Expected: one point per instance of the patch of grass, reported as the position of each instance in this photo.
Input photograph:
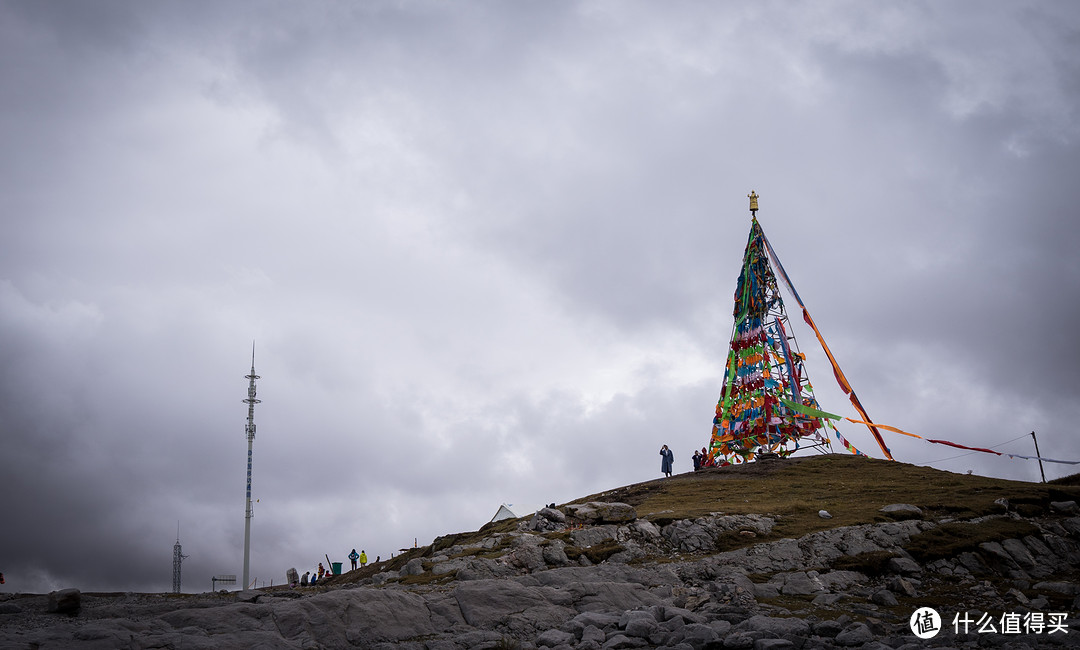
(872, 564)
(464, 539)
(472, 552)
(736, 539)
(951, 539)
(446, 541)
(803, 607)
(563, 535)
(600, 552)
(501, 526)
(596, 553)
(1071, 479)
(1030, 510)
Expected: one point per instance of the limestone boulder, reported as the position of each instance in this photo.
(65, 601)
(855, 634)
(552, 514)
(527, 557)
(546, 520)
(777, 627)
(645, 529)
(592, 535)
(413, 567)
(1065, 507)
(482, 568)
(554, 554)
(902, 511)
(601, 512)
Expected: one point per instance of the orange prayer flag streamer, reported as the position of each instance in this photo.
(873, 428)
(840, 378)
(845, 386)
(884, 426)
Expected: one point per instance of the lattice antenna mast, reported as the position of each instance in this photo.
(177, 557)
(250, 430)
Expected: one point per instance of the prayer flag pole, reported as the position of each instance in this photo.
(1039, 456)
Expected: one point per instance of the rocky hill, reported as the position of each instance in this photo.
(819, 552)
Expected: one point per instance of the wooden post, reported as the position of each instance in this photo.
(1039, 456)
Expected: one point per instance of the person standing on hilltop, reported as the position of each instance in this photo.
(363, 557)
(667, 459)
(353, 557)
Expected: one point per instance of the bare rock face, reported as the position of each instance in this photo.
(670, 587)
(701, 534)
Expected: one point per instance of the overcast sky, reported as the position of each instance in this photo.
(487, 253)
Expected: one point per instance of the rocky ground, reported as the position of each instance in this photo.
(597, 576)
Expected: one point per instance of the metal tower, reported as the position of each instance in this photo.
(250, 430)
(177, 557)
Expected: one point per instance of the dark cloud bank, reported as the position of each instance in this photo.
(488, 253)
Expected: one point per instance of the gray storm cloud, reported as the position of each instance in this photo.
(488, 254)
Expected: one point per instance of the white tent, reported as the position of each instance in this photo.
(503, 513)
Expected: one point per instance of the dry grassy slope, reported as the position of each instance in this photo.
(852, 489)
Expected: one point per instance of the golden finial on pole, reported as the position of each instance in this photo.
(753, 202)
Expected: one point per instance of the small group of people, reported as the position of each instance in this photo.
(310, 579)
(701, 460)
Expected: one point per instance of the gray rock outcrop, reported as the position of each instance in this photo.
(669, 586)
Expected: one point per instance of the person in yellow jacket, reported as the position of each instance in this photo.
(363, 557)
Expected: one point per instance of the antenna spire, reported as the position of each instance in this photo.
(250, 431)
(177, 557)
